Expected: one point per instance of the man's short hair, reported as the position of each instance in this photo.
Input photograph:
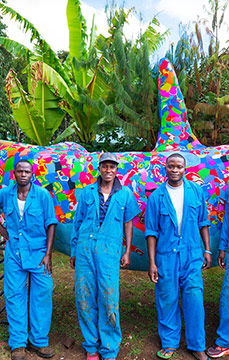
(175, 155)
(23, 161)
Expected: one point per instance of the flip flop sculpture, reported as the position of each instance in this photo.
(64, 169)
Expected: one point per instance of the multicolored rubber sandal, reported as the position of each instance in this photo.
(216, 351)
(93, 356)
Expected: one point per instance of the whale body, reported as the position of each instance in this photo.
(66, 168)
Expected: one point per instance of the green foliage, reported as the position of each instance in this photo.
(112, 138)
(71, 85)
(132, 102)
(100, 80)
(38, 115)
(8, 127)
(204, 77)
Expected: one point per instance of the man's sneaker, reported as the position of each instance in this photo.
(93, 356)
(216, 351)
(45, 352)
(18, 354)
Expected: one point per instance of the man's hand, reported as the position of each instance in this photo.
(73, 262)
(4, 232)
(125, 260)
(153, 274)
(207, 261)
(47, 261)
(221, 258)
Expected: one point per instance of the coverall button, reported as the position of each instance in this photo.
(20, 234)
(91, 235)
(174, 250)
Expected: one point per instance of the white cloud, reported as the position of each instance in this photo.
(100, 18)
(49, 17)
(186, 12)
(182, 9)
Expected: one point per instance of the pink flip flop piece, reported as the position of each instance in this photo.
(93, 356)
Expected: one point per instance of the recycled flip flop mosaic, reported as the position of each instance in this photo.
(64, 169)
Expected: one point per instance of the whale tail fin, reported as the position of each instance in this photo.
(175, 133)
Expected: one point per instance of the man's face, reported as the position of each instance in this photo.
(108, 170)
(23, 173)
(175, 169)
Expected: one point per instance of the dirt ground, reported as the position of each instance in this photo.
(138, 320)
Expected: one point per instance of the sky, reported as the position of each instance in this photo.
(49, 17)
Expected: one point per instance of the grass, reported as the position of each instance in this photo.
(137, 310)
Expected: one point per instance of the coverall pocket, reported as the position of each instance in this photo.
(165, 221)
(120, 207)
(9, 214)
(34, 216)
(90, 208)
(193, 211)
(9, 211)
(111, 251)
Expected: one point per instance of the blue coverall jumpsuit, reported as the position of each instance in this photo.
(24, 251)
(223, 329)
(97, 249)
(179, 260)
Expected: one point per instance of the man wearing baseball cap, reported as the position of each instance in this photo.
(104, 210)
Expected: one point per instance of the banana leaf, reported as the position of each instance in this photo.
(39, 115)
(15, 48)
(71, 129)
(42, 50)
(77, 36)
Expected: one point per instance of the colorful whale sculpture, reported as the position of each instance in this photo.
(64, 169)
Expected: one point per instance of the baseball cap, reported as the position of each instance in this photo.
(107, 156)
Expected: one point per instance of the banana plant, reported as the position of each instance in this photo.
(38, 115)
(54, 88)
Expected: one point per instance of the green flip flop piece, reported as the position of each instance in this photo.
(166, 351)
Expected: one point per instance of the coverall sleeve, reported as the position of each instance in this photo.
(152, 217)
(78, 219)
(132, 208)
(49, 211)
(203, 213)
(224, 239)
(1, 200)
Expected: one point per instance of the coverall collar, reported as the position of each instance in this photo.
(116, 185)
(95, 191)
(29, 198)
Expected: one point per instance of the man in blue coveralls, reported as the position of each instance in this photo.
(30, 229)
(221, 347)
(104, 210)
(176, 217)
